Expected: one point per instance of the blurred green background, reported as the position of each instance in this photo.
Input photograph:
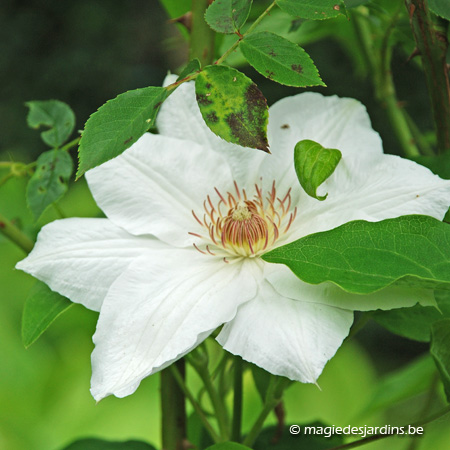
(85, 52)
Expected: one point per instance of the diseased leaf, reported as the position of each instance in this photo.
(100, 444)
(53, 114)
(117, 125)
(363, 257)
(49, 182)
(313, 165)
(232, 106)
(42, 307)
(280, 60)
(440, 350)
(313, 9)
(192, 66)
(440, 8)
(227, 16)
(415, 322)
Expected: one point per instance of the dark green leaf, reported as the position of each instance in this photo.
(262, 380)
(363, 257)
(100, 444)
(402, 384)
(227, 16)
(49, 182)
(117, 125)
(196, 431)
(192, 66)
(316, 439)
(55, 115)
(415, 322)
(280, 60)
(228, 446)
(314, 164)
(232, 106)
(313, 9)
(440, 350)
(440, 8)
(42, 307)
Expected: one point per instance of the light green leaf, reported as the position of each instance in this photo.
(192, 66)
(176, 8)
(42, 307)
(440, 350)
(117, 125)
(55, 115)
(363, 257)
(440, 8)
(228, 446)
(280, 60)
(313, 165)
(49, 182)
(415, 322)
(100, 444)
(232, 106)
(313, 9)
(227, 16)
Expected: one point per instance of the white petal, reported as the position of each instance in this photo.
(286, 337)
(81, 258)
(288, 285)
(153, 187)
(160, 309)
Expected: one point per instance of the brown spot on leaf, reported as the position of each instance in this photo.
(212, 117)
(272, 53)
(336, 7)
(128, 140)
(2, 225)
(42, 189)
(285, 126)
(208, 86)
(270, 74)
(297, 68)
(157, 105)
(202, 99)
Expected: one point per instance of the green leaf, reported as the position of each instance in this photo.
(41, 308)
(55, 115)
(228, 446)
(49, 182)
(262, 380)
(439, 164)
(316, 439)
(415, 322)
(117, 125)
(192, 66)
(440, 8)
(440, 350)
(313, 165)
(280, 60)
(100, 444)
(363, 257)
(313, 9)
(176, 8)
(232, 106)
(402, 384)
(227, 16)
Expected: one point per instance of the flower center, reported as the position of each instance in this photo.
(241, 227)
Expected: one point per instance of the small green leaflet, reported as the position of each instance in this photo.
(363, 257)
(100, 444)
(42, 307)
(55, 115)
(314, 164)
(280, 60)
(440, 8)
(192, 66)
(117, 125)
(313, 9)
(440, 351)
(228, 446)
(49, 182)
(227, 16)
(232, 106)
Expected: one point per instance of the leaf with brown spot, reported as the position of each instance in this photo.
(228, 16)
(280, 60)
(235, 110)
(313, 9)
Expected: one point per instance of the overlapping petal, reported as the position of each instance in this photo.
(81, 258)
(286, 337)
(160, 309)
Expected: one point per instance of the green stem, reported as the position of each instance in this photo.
(237, 400)
(71, 144)
(15, 235)
(377, 437)
(202, 36)
(179, 379)
(173, 409)
(432, 43)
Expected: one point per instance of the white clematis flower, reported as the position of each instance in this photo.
(188, 216)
